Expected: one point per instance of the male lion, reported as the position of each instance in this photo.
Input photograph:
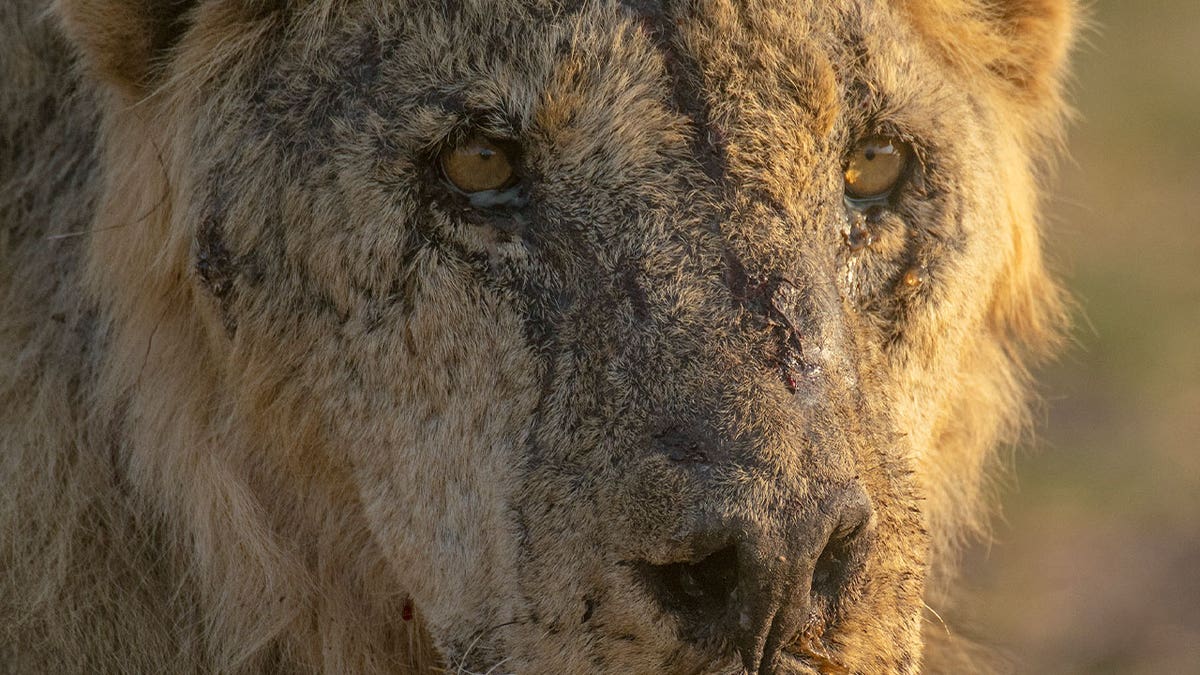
(534, 336)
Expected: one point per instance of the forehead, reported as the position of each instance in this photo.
(719, 65)
(750, 92)
(784, 57)
(784, 50)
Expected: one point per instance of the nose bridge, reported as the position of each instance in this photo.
(794, 302)
(782, 523)
(766, 346)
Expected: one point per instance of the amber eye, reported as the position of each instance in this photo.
(478, 165)
(875, 167)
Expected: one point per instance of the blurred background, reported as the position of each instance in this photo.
(1095, 566)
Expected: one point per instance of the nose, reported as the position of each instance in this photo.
(758, 585)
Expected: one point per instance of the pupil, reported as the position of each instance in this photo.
(869, 153)
(485, 154)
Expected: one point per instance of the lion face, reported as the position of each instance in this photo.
(623, 337)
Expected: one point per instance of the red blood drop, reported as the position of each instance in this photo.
(788, 379)
(407, 612)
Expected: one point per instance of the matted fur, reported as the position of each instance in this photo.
(267, 388)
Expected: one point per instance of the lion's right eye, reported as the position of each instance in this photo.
(478, 165)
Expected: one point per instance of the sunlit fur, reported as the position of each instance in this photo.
(249, 413)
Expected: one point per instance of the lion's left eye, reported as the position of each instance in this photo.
(478, 165)
(875, 166)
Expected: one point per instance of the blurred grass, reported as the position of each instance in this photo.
(1096, 565)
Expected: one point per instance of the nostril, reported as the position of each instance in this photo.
(697, 592)
(829, 572)
(838, 560)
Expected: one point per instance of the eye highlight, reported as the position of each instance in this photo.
(875, 166)
(478, 165)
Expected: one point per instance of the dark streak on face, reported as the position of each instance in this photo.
(659, 18)
(216, 267)
(636, 292)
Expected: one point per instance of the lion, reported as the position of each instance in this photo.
(531, 336)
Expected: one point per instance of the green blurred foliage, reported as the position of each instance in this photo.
(1095, 567)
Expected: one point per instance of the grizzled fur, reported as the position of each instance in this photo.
(274, 399)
